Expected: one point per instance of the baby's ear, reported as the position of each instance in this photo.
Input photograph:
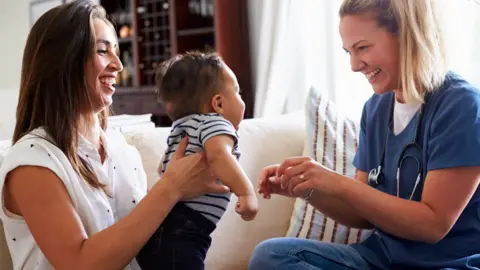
(216, 103)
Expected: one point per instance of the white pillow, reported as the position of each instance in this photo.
(151, 145)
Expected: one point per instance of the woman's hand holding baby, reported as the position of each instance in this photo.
(190, 176)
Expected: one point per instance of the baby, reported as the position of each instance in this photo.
(201, 96)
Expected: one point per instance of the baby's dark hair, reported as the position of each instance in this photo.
(187, 82)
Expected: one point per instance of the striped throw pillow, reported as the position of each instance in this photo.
(331, 140)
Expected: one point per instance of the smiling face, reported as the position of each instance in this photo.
(373, 50)
(103, 66)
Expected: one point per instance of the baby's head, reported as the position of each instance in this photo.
(195, 82)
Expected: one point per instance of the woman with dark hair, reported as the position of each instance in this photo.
(74, 194)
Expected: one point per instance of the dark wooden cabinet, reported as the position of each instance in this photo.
(151, 31)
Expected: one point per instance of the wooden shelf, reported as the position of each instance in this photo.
(164, 28)
(135, 90)
(197, 31)
(125, 40)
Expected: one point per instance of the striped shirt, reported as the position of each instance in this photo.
(199, 128)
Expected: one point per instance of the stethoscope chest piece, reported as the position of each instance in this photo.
(374, 176)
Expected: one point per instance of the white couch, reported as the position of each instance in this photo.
(263, 142)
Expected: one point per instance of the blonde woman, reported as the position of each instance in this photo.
(418, 159)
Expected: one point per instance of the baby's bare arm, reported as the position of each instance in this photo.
(225, 167)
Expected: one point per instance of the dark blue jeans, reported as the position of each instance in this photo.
(301, 254)
(180, 243)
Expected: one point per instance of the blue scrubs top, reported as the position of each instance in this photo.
(450, 137)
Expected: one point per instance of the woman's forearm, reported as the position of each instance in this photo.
(402, 218)
(339, 211)
(116, 246)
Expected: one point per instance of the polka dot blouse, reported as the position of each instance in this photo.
(121, 171)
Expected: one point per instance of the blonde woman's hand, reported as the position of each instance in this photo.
(269, 183)
(190, 175)
(299, 175)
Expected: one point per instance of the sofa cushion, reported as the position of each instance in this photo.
(331, 140)
(151, 145)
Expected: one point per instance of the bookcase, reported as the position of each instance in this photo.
(151, 31)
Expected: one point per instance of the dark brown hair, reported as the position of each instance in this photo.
(188, 81)
(53, 90)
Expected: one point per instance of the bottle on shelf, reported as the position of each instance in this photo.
(123, 20)
(204, 8)
(118, 79)
(126, 74)
(194, 6)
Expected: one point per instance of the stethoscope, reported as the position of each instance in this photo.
(375, 176)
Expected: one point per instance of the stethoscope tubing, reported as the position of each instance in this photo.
(374, 176)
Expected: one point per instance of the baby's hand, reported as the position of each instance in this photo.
(247, 207)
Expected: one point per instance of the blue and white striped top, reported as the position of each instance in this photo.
(199, 128)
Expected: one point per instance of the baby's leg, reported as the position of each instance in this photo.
(157, 252)
(181, 242)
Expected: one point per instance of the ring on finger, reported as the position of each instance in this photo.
(302, 177)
